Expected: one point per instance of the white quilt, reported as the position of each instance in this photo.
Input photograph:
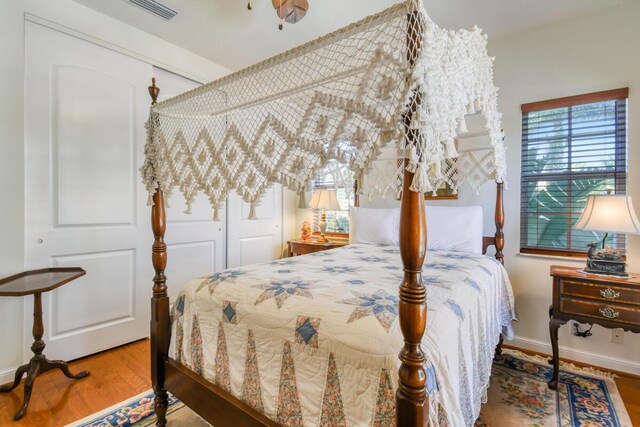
(314, 340)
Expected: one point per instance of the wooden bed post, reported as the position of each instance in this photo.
(356, 196)
(160, 322)
(499, 221)
(412, 403)
(499, 236)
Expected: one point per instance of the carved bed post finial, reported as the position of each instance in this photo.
(356, 196)
(412, 403)
(154, 91)
(499, 221)
(160, 322)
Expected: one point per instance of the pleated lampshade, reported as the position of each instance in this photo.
(324, 199)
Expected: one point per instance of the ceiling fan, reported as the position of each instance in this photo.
(290, 11)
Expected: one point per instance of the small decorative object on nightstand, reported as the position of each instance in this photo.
(302, 247)
(609, 301)
(607, 213)
(324, 199)
(305, 232)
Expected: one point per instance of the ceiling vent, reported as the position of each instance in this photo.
(156, 8)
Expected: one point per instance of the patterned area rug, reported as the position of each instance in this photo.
(518, 397)
(138, 412)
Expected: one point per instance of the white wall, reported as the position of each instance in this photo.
(585, 54)
(81, 21)
(11, 178)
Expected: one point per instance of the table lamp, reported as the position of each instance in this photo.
(607, 213)
(324, 199)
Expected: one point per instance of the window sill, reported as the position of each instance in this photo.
(556, 257)
(332, 234)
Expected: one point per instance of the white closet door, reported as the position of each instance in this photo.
(195, 243)
(259, 240)
(85, 111)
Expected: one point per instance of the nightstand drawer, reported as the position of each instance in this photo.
(304, 247)
(618, 313)
(602, 292)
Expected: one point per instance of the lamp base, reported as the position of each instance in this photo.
(602, 273)
(611, 268)
(323, 227)
(321, 238)
(605, 261)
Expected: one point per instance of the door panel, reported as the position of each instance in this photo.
(188, 261)
(266, 209)
(201, 210)
(259, 240)
(105, 295)
(257, 249)
(93, 147)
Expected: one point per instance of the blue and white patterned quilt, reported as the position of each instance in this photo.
(314, 340)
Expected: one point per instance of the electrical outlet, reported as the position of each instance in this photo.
(617, 336)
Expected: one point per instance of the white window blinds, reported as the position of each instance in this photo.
(335, 177)
(571, 147)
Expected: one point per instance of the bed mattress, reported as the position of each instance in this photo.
(314, 340)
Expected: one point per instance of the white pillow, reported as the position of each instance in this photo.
(377, 226)
(454, 228)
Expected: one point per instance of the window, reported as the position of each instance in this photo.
(571, 147)
(336, 177)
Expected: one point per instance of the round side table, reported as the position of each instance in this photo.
(36, 282)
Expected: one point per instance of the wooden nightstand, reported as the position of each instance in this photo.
(302, 247)
(609, 301)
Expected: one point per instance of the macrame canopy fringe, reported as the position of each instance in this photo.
(339, 99)
(302, 200)
(252, 211)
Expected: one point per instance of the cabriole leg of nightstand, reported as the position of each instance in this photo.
(554, 325)
(498, 351)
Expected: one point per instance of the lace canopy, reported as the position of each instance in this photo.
(340, 98)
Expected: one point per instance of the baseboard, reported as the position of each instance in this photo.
(595, 360)
(6, 375)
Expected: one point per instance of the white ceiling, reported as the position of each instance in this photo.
(225, 32)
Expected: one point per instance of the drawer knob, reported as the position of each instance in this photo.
(609, 313)
(609, 293)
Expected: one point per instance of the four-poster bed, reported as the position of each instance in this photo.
(353, 94)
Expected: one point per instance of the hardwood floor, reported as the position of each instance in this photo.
(629, 388)
(123, 372)
(116, 375)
